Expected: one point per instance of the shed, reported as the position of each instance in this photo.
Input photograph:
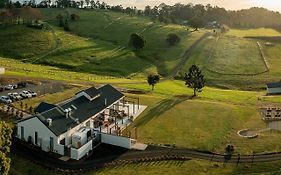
(274, 88)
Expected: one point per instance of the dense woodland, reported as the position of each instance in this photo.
(188, 14)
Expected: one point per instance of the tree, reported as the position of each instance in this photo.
(74, 17)
(137, 41)
(66, 25)
(173, 39)
(5, 143)
(60, 19)
(152, 80)
(194, 79)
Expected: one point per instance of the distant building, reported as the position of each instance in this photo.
(2, 70)
(274, 88)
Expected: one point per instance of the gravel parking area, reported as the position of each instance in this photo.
(41, 88)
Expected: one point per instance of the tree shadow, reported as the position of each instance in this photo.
(160, 108)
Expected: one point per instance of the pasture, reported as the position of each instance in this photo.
(227, 63)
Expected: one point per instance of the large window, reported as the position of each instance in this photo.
(36, 138)
(22, 132)
(51, 143)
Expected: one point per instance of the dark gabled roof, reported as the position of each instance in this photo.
(92, 92)
(274, 85)
(82, 109)
(43, 106)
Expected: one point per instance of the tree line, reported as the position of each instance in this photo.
(25, 15)
(196, 15)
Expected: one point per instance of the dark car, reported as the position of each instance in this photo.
(22, 84)
(2, 89)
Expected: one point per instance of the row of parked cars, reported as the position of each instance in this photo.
(17, 96)
(13, 86)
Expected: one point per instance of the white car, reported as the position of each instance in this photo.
(25, 94)
(34, 94)
(14, 96)
(5, 99)
(9, 87)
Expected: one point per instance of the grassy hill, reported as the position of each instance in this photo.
(21, 42)
(98, 44)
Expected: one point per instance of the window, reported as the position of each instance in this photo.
(22, 132)
(36, 138)
(51, 143)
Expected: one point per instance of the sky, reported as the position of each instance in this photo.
(228, 4)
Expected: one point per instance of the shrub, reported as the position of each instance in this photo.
(137, 41)
(173, 39)
(74, 17)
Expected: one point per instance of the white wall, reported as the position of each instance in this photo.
(275, 125)
(81, 152)
(274, 90)
(116, 140)
(35, 125)
(2, 70)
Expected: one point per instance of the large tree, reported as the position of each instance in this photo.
(137, 41)
(173, 39)
(5, 143)
(152, 80)
(195, 79)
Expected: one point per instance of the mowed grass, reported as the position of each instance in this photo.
(233, 55)
(21, 42)
(253, 32)
(208, 122)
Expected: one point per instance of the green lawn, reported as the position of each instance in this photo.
(253, 32)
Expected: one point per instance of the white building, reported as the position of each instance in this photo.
(71, 128)
(274, 88)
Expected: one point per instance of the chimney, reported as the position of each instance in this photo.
(105, 102)
(49, 121)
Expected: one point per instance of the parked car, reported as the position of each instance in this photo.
(9, 87)
(25, 94)
(15, 86)
(2, 89)
(34, 94)
(22, 84)
(14, 96)
(5, 99)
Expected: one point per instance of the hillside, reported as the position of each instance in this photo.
(98, 43)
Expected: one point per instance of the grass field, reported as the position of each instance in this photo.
(238, 55)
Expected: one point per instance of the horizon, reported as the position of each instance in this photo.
(227, 4)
